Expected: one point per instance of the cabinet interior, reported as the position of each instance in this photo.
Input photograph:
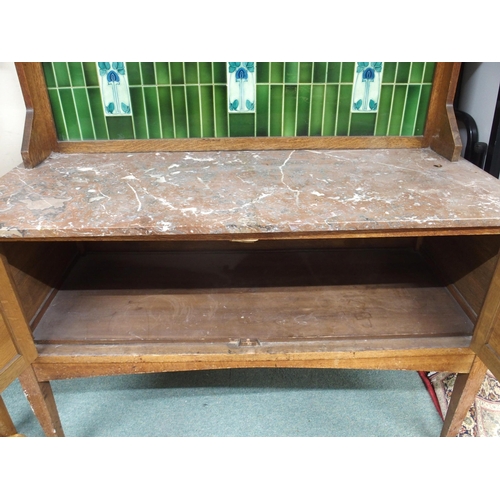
(300, 294)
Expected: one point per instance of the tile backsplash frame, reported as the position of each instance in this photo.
(190, 100)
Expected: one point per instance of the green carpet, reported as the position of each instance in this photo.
(244, 402)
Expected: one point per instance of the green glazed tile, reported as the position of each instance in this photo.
(403, 72)
(319, 72)
(167, 123)
(303, 110)
(194, 118)
(389, 74)
(423, 108)
(207, 110)
(84, 115)
(221, 118)
(291, 72)
(57, 112)
(69, 110)
(262, 110)
(50, 78)
(152, 112)
(101, 131)
(429, 72)
(139, 113)
(331, 100)
(347, 75)
(305, 72)
(318, 98)
(90, 73)
(384, 109)
(177, 73)
(277, 72)
(205, 69)
(333, 75)
(289, 115)
(62, 74)
(220, 72)
(397, 110)
(285, 104)
(411, 108)
(417, 72)
(344, 112)
(76, 74)
(148, 73)
(276, 111)
(191, 70)
(120, 127)
(162, 73)
(263, 72)
(180, 112)
(242, 124)
(363, 124)
(134, 73)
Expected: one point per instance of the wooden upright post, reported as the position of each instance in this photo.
(40, 137)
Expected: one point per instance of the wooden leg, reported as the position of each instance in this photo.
(465, 390)
(7, 427)
(42, 402)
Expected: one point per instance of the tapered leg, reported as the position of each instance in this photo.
(42, 402)
(465, 390)
(7, 427)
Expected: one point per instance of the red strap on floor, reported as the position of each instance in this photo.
(431, 391)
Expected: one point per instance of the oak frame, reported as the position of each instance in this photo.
(441, 135)
(40, 137)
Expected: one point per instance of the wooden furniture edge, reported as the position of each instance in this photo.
(466, 387)
(441, 131)
(254, 237)
(490, 313)
(57, 367)
(13, 314)
(7, 427)
(40, 137)
(63, 371)
(12, 371)
(42, 402)
(240, 144)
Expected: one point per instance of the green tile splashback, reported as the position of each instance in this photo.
(189, 100)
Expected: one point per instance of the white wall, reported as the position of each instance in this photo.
(12, 114)
(479, 94)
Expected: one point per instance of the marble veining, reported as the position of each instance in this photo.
(176, 194)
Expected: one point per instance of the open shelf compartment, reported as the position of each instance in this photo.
(307, 298)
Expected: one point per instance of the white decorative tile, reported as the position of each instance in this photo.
(241, 87)
(366, 88)
(114, 88)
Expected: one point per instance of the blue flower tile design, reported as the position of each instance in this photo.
(114, 88)
(241, 87)
(366, 88)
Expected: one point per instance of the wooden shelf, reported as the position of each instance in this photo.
(253, 298)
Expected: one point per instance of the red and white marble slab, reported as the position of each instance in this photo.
(247, 194)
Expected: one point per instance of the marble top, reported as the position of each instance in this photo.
(246, 194)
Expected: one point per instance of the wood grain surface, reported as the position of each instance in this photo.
(254, 296)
